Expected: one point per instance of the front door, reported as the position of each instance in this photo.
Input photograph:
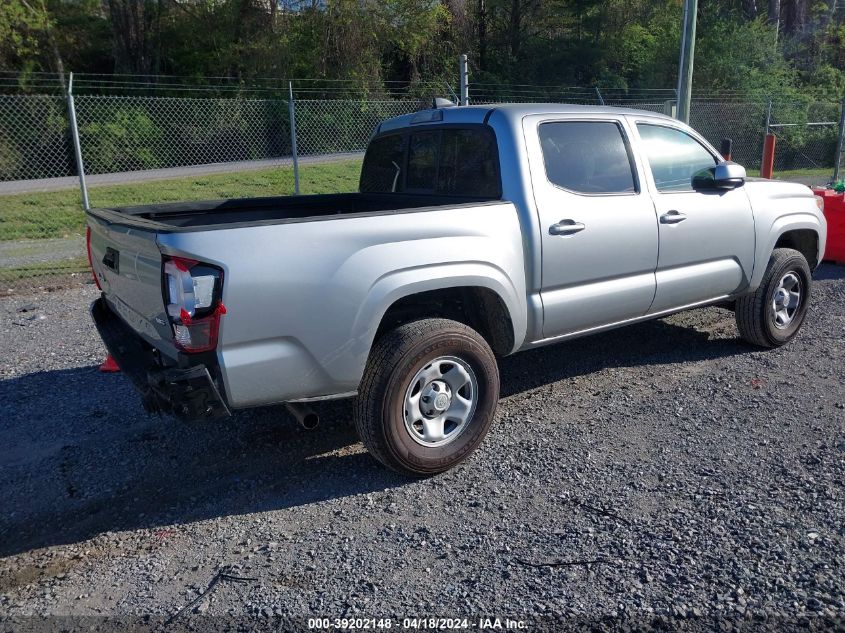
(707, 238)
(599, 230)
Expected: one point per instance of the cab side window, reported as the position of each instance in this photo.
(674, 156)
(587, 157)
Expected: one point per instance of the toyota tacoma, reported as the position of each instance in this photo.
(477, 232)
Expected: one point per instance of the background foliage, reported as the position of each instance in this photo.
(780, 46)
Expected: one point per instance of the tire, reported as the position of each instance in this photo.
(418, 362)
(762, 317)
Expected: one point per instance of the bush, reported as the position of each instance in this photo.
(123, 140)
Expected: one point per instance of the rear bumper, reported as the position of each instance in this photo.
(186, 392)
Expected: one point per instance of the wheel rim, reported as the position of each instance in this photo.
(440, 401)
(786, 300)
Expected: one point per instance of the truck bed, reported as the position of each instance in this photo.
(210, 214)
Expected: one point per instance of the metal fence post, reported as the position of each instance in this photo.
(292, 114)
(598, 94)
(838, 158)
(464, 70)
(77, 148)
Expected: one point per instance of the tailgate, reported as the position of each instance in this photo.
(127, 263)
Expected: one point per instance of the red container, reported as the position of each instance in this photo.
(834, 213)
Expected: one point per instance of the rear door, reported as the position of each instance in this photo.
(707, 238)
(599, 231)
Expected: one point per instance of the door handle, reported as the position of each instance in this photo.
(112, 259)
(566, 227)
(672, 217)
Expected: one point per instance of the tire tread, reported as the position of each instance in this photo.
(750, 309)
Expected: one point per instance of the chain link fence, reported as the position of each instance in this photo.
(144, 144)
(34, 139)
(138, 149)
(341, 126)
(806, 136)
(121, 134)
(742, 122)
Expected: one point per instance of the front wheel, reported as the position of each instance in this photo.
(428, 396)
(772, 315)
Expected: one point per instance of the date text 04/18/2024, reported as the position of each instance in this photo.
(424, 624)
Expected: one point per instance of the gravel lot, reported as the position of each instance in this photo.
(662, 471)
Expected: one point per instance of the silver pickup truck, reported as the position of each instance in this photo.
(477, 232)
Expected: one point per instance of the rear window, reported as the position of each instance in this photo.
(383, 164)
(468, 164)
(422, 161)
(447, 161)
(587, 157)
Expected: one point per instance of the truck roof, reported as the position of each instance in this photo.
(514, 112)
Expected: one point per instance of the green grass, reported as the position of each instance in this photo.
(59, 213)
(822, 174)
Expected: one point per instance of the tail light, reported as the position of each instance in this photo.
(91, 261)
(193, 293)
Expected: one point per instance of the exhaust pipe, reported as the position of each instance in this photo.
(305, 415)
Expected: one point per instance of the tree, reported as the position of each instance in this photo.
(29, 38)
(20, 30)
(135, 31)
(745, 45)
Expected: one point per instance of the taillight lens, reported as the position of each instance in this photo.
(193, 292)
(91, 261)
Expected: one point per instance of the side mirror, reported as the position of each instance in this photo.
(729, 175)
(726, 175)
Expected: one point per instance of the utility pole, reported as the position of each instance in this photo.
(685, 64)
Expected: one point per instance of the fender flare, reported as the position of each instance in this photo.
(781, 225)
(396, 285)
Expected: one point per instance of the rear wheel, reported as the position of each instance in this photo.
(772, 315)
(428, 396)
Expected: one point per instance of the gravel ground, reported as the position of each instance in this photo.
(665, 474)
